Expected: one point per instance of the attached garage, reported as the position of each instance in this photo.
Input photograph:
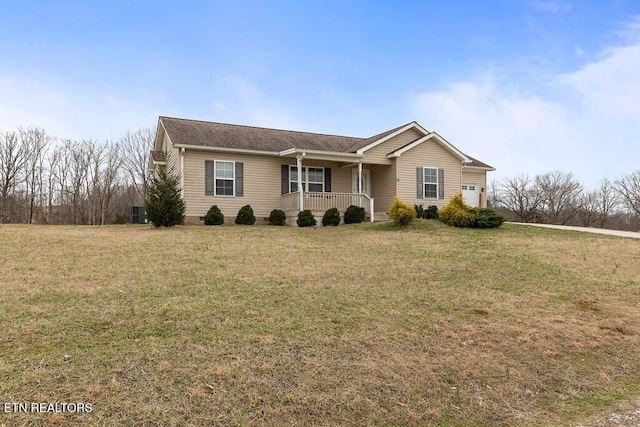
(471, 194)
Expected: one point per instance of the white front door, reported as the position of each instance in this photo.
(366, 181)
(470, 195)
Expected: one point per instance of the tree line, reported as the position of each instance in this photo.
(559, 198)
(45, 180)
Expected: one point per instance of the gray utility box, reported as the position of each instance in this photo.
(137, 215)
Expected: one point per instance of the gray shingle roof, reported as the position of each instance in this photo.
(224, 135)
(194, 132)
(477, 163)
(158, 156)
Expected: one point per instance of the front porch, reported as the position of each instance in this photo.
(319, 202)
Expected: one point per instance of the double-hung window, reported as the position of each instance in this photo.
(430, 183)
(224, 176)
(312, 179)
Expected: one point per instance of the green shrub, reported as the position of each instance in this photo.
(458, 214)
(354, 215)
(401, 213)
(245, 216)
(331, 217)
(431, 212)
(164, 204)
(306, 219)
(277, 217)
(488, 218)
(214, 216)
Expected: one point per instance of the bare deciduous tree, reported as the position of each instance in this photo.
(628, 188)
(12, 158)
(493, 194)
(35, 143)
(520, 196)
(607, 201)
(586, 209)
(108, 181)
(559, 192)
(136, 147)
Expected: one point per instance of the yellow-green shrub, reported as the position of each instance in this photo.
(401, 213)
(457, 213)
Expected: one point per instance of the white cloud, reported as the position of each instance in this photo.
(610, 86)
(588, 125)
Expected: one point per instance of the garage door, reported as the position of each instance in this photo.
(470, 194)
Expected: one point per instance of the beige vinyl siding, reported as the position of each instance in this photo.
(378, 154)
(479, 178)
(428, 154)
(383, 186)
(173, 156)
(262, 182)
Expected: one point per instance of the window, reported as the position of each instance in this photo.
(316, 179)
(224, 174)
(312, 179)
(430, 183)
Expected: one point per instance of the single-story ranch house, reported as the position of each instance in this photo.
(233, 165)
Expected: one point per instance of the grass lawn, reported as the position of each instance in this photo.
(356, 325)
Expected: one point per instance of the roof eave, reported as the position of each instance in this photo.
(321, 155)
(226, 149)
(483, 168)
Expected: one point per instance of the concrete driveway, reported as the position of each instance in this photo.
(632, 234)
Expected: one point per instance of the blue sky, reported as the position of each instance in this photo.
(527, 86)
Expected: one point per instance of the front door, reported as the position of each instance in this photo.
(366, 181)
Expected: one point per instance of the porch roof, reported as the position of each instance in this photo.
(321, 155)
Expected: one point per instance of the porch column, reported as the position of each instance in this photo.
(300, 191)
(360, 182)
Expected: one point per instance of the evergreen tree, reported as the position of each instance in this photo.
(164, 204)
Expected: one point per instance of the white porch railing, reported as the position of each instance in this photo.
(316, 201)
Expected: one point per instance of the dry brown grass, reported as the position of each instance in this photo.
(355, 325)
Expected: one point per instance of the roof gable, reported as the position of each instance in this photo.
(433, 136)
(376, 140)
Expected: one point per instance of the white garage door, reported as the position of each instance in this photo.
(470, 194)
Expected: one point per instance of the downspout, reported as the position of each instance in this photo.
(182, 173)
(300, 190)
(460, 186)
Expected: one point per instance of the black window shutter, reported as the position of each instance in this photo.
(327, 180)
(239, 179)
(208, 177)
(285, 179)
(420, 183)
(440, 183)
